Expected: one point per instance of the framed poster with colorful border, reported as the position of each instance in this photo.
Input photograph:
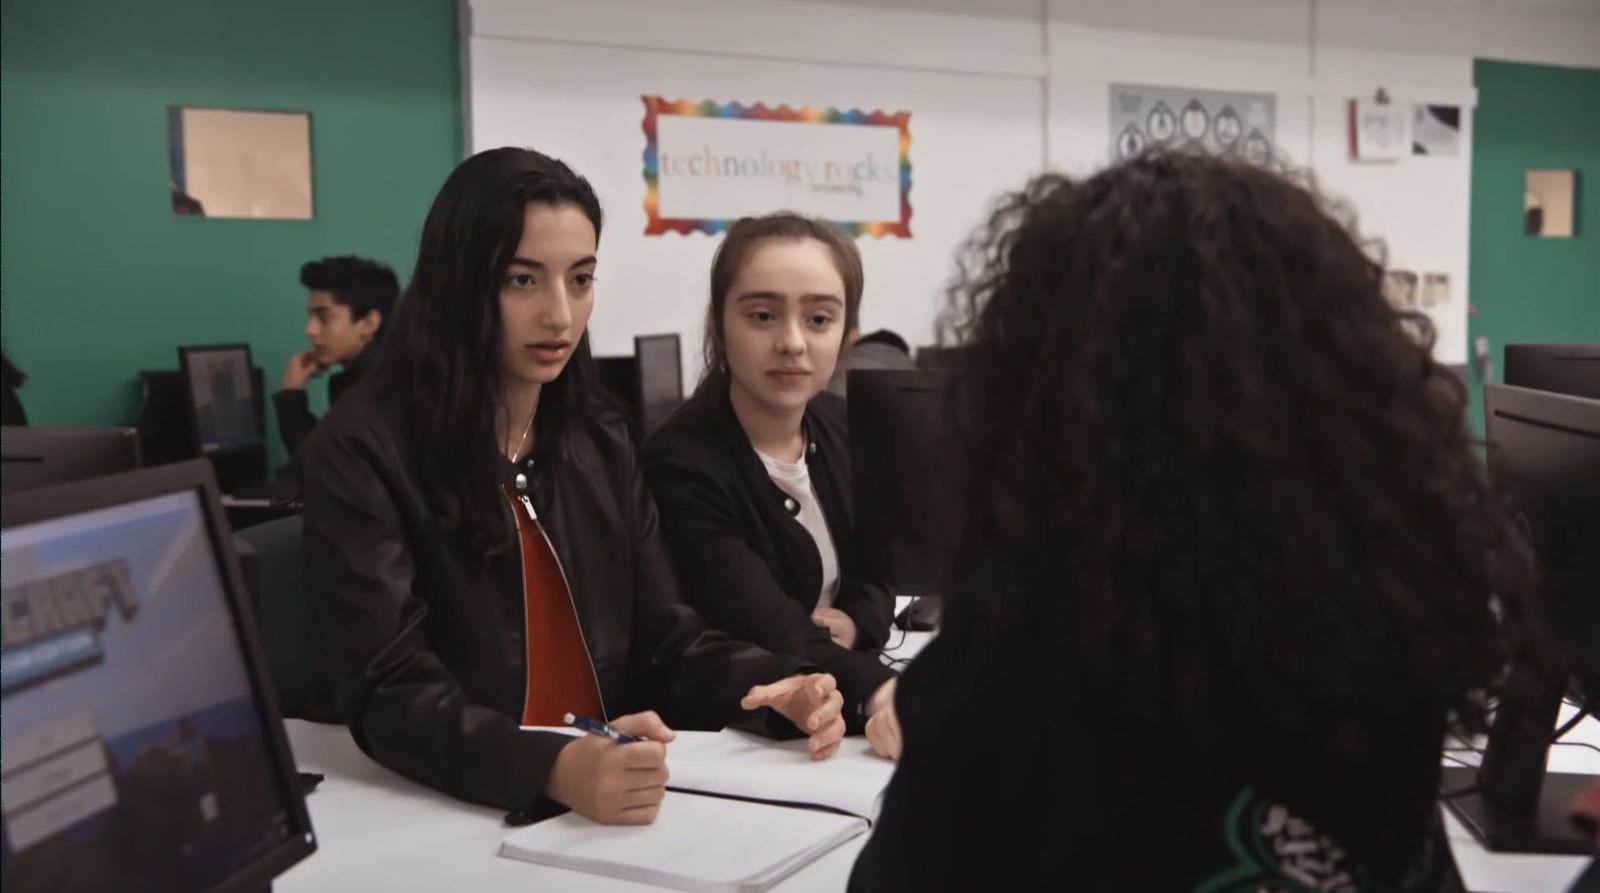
(708, 164)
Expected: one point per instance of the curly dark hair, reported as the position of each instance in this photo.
(1194, 435)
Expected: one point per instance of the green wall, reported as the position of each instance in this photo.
(1526, 288)
(99, 278)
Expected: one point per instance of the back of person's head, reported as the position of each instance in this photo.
(1221, 465)
(362, 285)
(887, 339)
(739, 244)
(444, 352)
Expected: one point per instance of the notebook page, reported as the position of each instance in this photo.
(696, 843)
(743, 765)
(739, 764)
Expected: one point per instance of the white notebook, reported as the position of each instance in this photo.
(738, 764)
(708, 844)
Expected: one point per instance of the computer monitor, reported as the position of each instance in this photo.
(223, 414)
(37, 457)
(938, 357)
(222, 398)
(166, 424)
(1561, 368)
(143, 748)
(899, 432)
(660, 368)
(620, 377)
(1545, 453)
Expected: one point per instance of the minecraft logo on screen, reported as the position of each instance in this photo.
(52, 625)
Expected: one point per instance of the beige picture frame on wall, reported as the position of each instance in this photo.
(1549, 203)
(240, 163)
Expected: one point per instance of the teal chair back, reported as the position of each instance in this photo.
(281, 616)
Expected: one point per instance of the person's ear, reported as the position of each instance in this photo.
(367, 326)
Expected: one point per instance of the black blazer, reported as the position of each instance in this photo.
(1020, 773)
(420, 637)
(746, 562)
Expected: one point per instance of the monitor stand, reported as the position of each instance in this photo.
(1516, 805)
(1543, 828)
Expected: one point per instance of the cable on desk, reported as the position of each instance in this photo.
(1468, 746)
(896, 646)
(1460, 762)
(895, 663)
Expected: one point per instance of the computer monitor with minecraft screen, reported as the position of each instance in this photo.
(143, 748)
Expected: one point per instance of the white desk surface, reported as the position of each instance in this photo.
(376, 830)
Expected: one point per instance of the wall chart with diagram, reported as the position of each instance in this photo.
(1142, 117)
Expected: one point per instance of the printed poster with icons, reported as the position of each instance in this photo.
(707, 164)
(1229, 123)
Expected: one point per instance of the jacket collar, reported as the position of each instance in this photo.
(352, 372)
(364, 360)
(729, 427)
(831, 490)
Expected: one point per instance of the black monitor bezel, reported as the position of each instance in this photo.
(879, 527)
(1550, 410)
(1511, 800)
(1537, 367)
(41, 449)
(639, 341)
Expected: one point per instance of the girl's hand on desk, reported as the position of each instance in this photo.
(883, 724)
(611, 783)
(812, 703)
(838, 624)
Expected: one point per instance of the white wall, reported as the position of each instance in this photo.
(1315, 55)
(1417, 208)
(992, 98)
(1420, 207)
(976, 129)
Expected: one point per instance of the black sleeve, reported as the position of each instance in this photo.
(735, 589)
(694, 675)
(295, 420)
(871, 607)
(960, 787)
(364, 618)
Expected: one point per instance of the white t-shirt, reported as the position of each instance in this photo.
(794, 478)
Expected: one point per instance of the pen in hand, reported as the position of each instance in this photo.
(596, 727)
(521, 817)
